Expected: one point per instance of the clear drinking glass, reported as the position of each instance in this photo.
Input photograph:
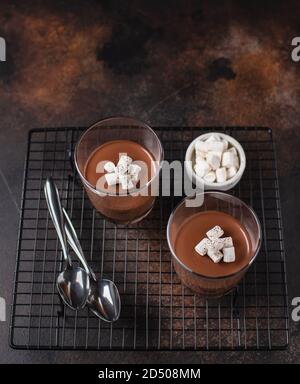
(213, 201)
(120, 207)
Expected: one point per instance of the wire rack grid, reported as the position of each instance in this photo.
(158, 313)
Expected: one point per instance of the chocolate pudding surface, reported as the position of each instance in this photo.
(194, 230)
(111, 151)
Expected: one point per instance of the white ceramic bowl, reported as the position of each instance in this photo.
(228, 184)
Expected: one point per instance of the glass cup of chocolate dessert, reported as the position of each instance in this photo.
(118, 160)
(214, 244)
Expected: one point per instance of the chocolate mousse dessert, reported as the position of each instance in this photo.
(196, 228)
(213, 250)
(120, 171)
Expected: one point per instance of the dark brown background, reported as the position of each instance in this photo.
(167, 63)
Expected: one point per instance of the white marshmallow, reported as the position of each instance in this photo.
(201, 168)
(205, 146)
(233, 150)
(228, 159)
(123, 164)
(202, 247)
(216, 247)
(125, 159)
(201, 146)
(229, 255)
(109, 167)
(236, 161)
(217, 244)
(231, 172)
(216, 256)
(213, 137)
(218, 154)
(134, 170)
(215, 232)
(227, 242)
(210, 177)
(126, 181)
(200, 155)
(225, 144)
(111, 178)
(213, 160)
(217, 146)
(221, 175)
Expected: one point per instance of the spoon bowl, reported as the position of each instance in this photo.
(104, 300)
(73, 285)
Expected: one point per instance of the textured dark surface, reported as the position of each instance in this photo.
(177, 63)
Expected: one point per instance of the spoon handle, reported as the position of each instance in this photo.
(75, 244)
(55, 210)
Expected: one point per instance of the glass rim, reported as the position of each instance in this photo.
(125, 193)
(197, 273)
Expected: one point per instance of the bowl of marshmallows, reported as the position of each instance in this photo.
(215, 159)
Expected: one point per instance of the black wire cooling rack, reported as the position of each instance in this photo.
(158, 313)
